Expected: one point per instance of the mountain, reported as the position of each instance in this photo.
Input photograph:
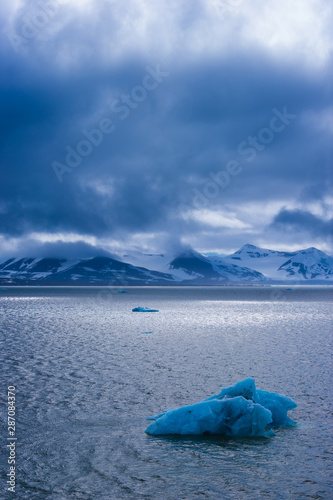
(96, 270)
(309, 264)
(202, 270)
(304, 265)
(156, 262)
(249, 265)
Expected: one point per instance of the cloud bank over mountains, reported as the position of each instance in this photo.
(205, 124)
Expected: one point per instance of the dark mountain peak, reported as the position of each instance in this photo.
(311, 250)
(249, 246)
(193, 263)
(188, 252)
(246, 248)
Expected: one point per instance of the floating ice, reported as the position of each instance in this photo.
(240, 410)
(144, 310)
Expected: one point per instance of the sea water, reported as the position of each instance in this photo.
(87, 371)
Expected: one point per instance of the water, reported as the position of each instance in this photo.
(87, 375)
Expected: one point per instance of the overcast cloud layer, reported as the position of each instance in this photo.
(154, 125)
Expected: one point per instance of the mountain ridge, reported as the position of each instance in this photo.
(249, 265)
(305, 264)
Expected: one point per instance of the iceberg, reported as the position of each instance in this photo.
(237, 411)
(144, 310)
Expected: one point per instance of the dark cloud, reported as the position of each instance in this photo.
(302, 221)
(60, 249)
(65, 79)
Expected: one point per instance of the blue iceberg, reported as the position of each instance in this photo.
(237, 411)
(144, 310)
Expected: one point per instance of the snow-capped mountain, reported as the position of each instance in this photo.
(308, 264)
(194, 268)
(249, 265)
(96, 270)
(202, 270)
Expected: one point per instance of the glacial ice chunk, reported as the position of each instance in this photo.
(144, 309)
(245, 388)
(240, 410)
(278, 405)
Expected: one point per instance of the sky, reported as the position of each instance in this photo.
(153, 126)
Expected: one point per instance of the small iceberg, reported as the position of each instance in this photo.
(144, 310)
(237, 411)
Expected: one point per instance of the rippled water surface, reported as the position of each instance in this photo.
(87, 375)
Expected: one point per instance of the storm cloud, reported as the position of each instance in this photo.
(303, 221)
(134, 125)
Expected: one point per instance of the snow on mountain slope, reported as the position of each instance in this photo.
(301, 265)
(250, 264)
(104, 270)
(310, 264)
(155, 262)
(158, 262)
(201, 269)
(28, 267)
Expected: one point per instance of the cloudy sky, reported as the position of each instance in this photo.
(156, 124)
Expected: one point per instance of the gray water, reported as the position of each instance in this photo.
(87, 376)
